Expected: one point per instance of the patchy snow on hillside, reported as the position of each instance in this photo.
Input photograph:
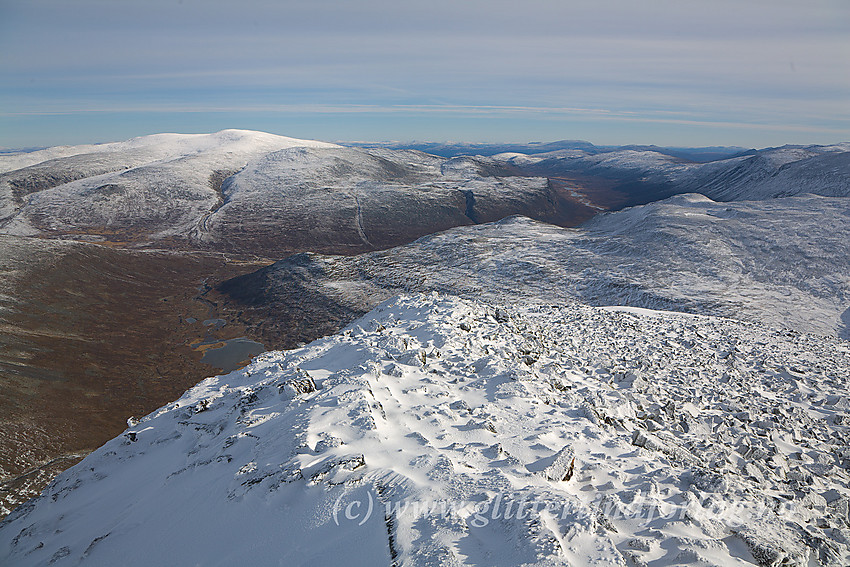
(441, 431)
(316, 198)
(781, 262)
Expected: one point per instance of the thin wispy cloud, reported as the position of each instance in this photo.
(760, 69)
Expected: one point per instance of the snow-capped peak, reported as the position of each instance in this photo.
(167, 145)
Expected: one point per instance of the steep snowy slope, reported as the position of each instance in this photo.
(437, 431)
(776, 174)
(783, 262)
(644, 175)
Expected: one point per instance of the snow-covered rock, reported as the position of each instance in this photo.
(440, 431)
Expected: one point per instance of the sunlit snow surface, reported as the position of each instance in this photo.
(782, 262)
(159, 182)
(553, 435)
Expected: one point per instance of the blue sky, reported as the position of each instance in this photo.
(669, 72)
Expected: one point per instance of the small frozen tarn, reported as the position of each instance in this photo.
(233, 353)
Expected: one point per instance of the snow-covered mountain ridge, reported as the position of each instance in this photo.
(142, 182)
(782, 262)
(730, 435)
(252, 192)
(757, 175)
(159, 147)
(556, 435)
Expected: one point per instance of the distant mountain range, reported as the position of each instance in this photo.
(452, 149)
(643, 176)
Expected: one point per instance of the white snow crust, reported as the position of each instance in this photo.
(554, 435)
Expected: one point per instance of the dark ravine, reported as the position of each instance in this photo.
(470, 206)
(217, 180)
(358, 219)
